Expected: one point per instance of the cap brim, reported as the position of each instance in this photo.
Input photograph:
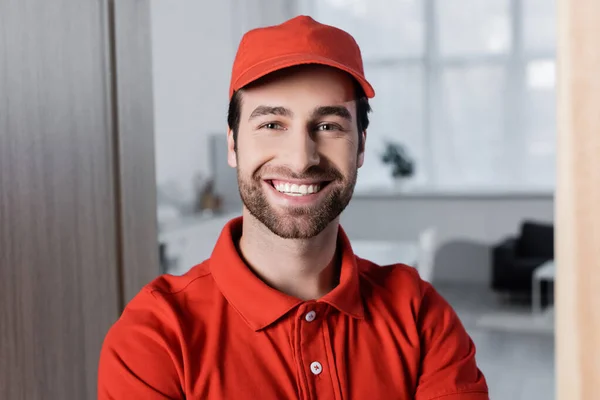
(275, 64)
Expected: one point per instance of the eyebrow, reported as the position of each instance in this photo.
(325, 111)
(318, 112)
(269, 110)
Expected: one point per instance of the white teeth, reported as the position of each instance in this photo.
(297, 190)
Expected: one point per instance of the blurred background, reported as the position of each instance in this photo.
(459, 173)
(113, 169)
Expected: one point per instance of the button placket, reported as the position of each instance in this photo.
(312, 349)
(310, 316)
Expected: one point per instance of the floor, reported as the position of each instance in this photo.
(517, 366)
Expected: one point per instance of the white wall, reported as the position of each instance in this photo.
(467, 225)
(194, 44)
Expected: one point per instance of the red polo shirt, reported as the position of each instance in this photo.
(219, 332)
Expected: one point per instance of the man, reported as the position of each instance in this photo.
(283, 309)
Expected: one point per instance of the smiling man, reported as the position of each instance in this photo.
(283, 309)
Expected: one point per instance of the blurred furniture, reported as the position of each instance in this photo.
(166, 262)
(545, 272)
(225, 177)
(387, 252)
(427, 249)
(189, 241)
(515, 259)
(419, 254)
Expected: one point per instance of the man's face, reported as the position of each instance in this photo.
(297, 149)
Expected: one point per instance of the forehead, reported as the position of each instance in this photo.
(299, 88)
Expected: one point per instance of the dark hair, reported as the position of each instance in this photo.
(362, 114)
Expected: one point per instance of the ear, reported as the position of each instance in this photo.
(361, 152)
(231, 154)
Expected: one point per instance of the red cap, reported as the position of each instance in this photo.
(300, 40)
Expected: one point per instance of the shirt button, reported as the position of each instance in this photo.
(310, 316)
(316, 368)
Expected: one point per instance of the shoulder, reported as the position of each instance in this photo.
(399, 279)
(173, 285)
(164, 304)
(399, 289)
(142, 352)
(447, 366)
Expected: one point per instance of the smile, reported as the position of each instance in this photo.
(297, 189)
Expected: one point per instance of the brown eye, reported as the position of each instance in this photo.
(327, 127)
(272, 125)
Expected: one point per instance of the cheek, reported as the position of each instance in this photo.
(342, 152)
(251, 155)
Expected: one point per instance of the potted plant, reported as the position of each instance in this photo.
(403, 167)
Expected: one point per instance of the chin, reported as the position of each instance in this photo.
(290, 230)
(288, 224)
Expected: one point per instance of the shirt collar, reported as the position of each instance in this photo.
(259, 304)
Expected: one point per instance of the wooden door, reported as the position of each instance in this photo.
(578, 201)
(77, 207)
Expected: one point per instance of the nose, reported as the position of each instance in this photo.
(302, 151)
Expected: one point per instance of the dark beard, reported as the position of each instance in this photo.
(299, 222)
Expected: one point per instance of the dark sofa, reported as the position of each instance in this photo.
(515, 258)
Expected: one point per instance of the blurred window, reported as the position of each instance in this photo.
(468, 86)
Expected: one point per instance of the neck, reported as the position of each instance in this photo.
(303, 268)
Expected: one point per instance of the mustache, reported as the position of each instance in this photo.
(314, 172)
